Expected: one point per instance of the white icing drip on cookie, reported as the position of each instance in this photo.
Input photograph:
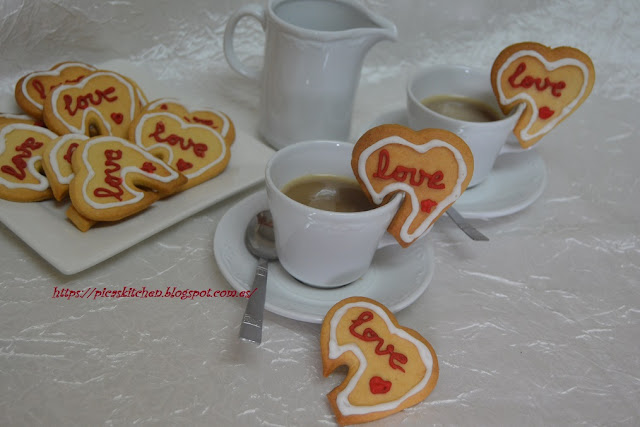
(147, 116)
(336, 350)
(401, 186)
(138, 195)
(550, 66)
(43, 182)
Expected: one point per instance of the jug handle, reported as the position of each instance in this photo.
(252, 11)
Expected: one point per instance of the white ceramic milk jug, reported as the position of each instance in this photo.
(312, 61)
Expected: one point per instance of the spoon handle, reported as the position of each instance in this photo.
(467, 228)
(251, 327)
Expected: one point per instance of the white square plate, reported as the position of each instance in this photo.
(45, 227)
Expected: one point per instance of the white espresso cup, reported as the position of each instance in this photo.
(487, 140)
(323, 248)
(312, 61)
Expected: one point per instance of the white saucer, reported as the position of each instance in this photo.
(516, 181)
(397, 276)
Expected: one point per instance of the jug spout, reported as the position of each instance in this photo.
(379, 29)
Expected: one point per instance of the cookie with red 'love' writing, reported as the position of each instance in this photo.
(32, 89)
(195, 150)
(22, 177)
(102, 103)
(391, 367)
(56, 162)
(114, 179)
(552, 83)
(433, 167)
(216, 120)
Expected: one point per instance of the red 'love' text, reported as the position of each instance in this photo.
(115, 182)
(24, 152)
(529, 81)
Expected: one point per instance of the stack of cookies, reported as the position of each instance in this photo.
(91, 136)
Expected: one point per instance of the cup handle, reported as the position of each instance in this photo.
(512, 147)
(387, 240)
(255, 11)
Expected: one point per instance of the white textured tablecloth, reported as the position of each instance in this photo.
(539, 326)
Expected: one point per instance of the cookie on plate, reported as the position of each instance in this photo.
(195, 150)
(32, 89)
(114, 179)
(552, 83)
(22, 178)
(56, 161)
(103, 103)
(391, 367)
(433, 167)
(216, 120)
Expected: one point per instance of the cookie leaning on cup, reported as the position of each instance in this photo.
(390, 367)
(552, 83)
(433, 167)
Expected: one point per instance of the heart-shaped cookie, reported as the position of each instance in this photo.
(56, 161)
(552, 82)
(390, 367)
(103, 103)
(32, 89)
(21, 174)
(432, 167)
(195, 150)
(216, 120)
(114, 178)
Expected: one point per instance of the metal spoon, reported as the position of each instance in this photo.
(467, 228)
(260, 241)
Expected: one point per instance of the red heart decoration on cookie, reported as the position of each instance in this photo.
(552, 83)
(545, 113)
(379, 386)
(117, 117)
(432, 167)
(183, 165)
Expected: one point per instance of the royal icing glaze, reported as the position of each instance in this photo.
(416, 204)
(155, 105)
(336, 350)
(543, 113)
(92, 99)
(50, 73)
(122, 172)
(179, 145)
(21, 164)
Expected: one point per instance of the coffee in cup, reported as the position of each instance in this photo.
(462, 108)
(328, 192)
